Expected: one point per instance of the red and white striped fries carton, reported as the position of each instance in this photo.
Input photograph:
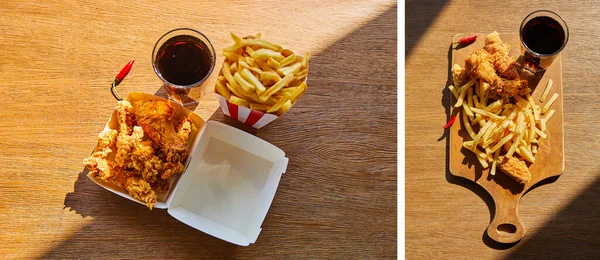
(254, 118)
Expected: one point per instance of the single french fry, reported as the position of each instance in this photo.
(280, 103)
(288, 90)
(235, 38)
(269, 77)
(550, 102)
(293, 69)
(238, 101)
(486, 113)
(461, 97)
(298, 92)
(284, 108)
(468, 126)
(259, 106)
(286, 52)
(247, 75)
(263, 65)
(546, 91)
(549, 115)
(253, 42)
(234, 67)
(222, 90)
(288, 60)
(243, 83)
(452, 89)
(227, 73)
(276, 87)
(266, 54)
(252, 96)
(305, 60)
(249, 50)
(274, 64)
(231, 56)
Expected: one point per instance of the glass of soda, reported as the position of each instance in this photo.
(544, 35)
(183, 59)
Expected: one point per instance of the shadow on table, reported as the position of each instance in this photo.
(120, 228)
(339, 136)
(418, 17)
(573, 233)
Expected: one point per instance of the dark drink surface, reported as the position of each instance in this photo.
(543, 35)
(184, 60)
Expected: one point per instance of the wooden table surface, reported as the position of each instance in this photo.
(58, 58)
(446, 218)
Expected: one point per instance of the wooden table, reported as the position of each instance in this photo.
(446, 218)
(337, 199)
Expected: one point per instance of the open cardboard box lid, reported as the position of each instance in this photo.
(229, 182)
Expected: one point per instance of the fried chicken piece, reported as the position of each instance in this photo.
(107, 139)
(184, 129)
(505, 65)
(172, 168)
(141, 165)
(156, 118)
(135, 186)
(516, 169)
(459, 75)
(125, 117)
(160, 186)
(480, 65)
(493, 44)
(505, 89)
(97, 163)
(133, 153)
(99, 166)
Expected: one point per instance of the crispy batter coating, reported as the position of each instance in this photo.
(480, 65)
(148, 150)
(156, 118)
(516, 169)
(459, 75)
(505, 65)
(505, 89)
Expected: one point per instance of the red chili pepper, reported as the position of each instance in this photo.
(467, 40)
(123, 72)
(450, 122)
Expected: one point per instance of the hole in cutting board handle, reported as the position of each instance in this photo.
(506, 229)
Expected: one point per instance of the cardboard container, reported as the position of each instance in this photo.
(229, 182)
(254, 118)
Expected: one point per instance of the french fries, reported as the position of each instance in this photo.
(501, 128)
(261, 75)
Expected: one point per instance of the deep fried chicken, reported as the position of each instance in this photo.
(99, 166)
(480, 65)
(135, 186)
(505, 89)
(516, 169)
(505, 65)
(156, 118)
(493, 65)
(141, 165)
(459, 75)
(97, 163)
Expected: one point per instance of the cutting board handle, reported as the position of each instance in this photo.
(506, 227)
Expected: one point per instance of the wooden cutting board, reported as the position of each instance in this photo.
(506, 227)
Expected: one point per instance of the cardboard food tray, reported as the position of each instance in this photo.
(229, 183)
(506, 227)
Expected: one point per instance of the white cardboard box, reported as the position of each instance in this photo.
(229, 182)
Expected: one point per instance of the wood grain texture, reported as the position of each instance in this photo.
(446, 218)
(337, 199)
